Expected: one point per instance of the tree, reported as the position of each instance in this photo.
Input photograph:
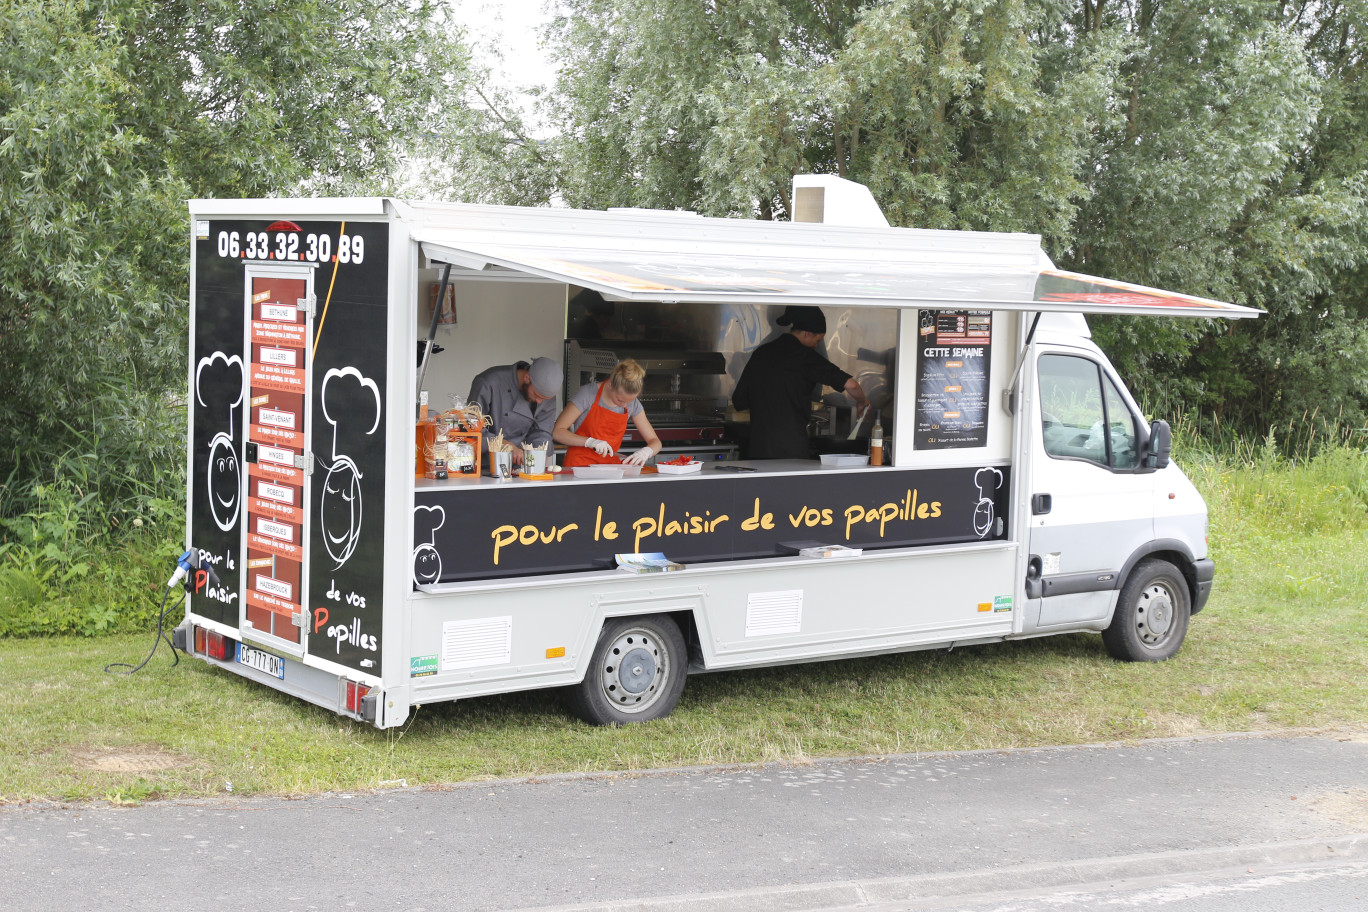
(1231, 170)
(112, 113)
(947, 111)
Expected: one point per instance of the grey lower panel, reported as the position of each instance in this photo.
(1077, 608)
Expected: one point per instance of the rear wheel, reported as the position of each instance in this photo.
(1151, 616)
(636, 673)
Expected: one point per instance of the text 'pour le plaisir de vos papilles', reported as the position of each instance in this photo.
(664, 524)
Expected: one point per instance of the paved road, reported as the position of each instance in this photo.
(907, 832)
(1316, 887)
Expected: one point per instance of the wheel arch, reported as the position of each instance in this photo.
(683, 611)
(1174, 551)
(622, 686)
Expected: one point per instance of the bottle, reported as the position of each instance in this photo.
(876, 444)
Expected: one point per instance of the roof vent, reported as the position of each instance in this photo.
(833, 200)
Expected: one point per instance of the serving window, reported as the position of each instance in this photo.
(943, 488)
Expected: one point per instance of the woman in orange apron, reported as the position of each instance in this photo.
(593, 422)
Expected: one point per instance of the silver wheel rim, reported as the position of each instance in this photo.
(1154, 614)
(635, 671)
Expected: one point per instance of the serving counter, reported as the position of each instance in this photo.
(710, 471)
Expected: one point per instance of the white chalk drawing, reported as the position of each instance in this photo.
(339, 509)
(427, 563)
(986, 481)
(223, 471)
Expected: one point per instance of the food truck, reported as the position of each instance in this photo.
(1021, 492)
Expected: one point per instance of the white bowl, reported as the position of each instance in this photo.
(600, 471)
(689, 469)
(844, 460)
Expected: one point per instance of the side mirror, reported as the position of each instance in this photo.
(1159, 446)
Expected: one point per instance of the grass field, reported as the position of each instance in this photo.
(1281, 645)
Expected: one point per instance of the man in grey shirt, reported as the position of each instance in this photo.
(521, 401)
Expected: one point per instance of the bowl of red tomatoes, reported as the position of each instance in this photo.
(680, 465)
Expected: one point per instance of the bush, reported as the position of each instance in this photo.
(71, 563)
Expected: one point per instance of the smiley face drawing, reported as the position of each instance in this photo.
(219, 388)
(224, 480)
(986, 481)
(348, 400)
(339, 509)
(427, 563)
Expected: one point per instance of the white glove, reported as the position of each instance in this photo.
(640, 456)
(598, 446)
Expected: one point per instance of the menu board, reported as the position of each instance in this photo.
(277, 380)
(954, 353)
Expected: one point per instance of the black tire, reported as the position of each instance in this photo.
(636, 673)
(1152, 614)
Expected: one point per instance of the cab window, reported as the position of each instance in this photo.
(1083, 415)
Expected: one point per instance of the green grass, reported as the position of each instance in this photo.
(1280, 646)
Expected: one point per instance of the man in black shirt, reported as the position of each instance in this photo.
(777, 385)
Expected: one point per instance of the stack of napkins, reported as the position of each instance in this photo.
(650, 562)
(825, 551)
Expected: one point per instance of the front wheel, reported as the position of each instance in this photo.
(636, 673)
(1151, 616)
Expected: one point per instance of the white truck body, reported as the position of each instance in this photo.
(351, 583)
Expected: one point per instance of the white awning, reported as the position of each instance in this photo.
(638, 256)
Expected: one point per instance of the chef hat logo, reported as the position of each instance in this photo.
(219, 388)
(986, 481)
(427, 562)
(350, 402)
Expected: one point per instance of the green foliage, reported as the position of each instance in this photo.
(70, 564)
(945, 110)
(1266, 495)
(112, 113)
(1236, 169)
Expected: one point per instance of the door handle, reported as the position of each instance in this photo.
(1041, 504)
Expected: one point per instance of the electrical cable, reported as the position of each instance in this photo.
(161, 635)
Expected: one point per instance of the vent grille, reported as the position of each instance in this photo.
(476, 643)
(768, 613)
(809, 204)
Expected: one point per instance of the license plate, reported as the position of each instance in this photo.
(261, 661)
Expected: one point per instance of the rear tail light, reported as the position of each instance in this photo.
(355, 692)
(214, 645)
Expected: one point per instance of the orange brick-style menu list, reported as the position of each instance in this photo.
(276, 486)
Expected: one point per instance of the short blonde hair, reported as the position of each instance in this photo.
(627, 377)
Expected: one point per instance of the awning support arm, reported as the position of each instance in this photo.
(1009, 394)
(432, 330)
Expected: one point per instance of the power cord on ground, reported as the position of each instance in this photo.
(193, 572)
(161, 635)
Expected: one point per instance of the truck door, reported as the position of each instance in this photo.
(275, 537)
(1090, 505)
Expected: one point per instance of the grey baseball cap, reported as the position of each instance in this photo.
(546, 376)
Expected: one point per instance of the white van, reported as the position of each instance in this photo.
(1023, 493)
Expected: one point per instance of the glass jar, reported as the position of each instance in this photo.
(461, 456)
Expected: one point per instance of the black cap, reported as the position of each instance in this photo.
(803, 319)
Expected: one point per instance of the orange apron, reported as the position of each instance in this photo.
(603, 424)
